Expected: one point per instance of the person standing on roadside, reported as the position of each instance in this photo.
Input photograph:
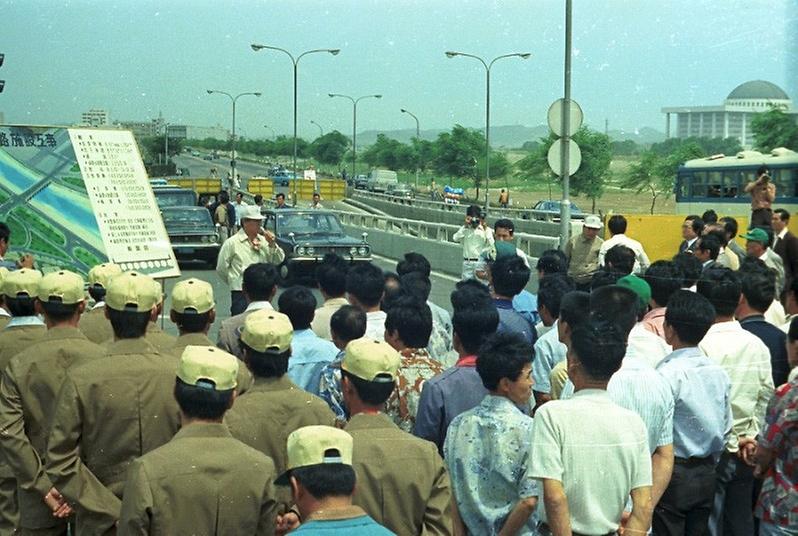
(763, 193)
(476, 238)
(582, 251)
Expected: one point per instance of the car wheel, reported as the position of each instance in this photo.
(285, 275)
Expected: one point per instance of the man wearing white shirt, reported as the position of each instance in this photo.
(746, 360)
(617, 225)
(476, 237)
(365, 286)
(240, 207)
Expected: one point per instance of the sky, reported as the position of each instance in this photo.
(139, 58)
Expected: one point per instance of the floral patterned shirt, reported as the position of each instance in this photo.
(330, 387)
(417, 367)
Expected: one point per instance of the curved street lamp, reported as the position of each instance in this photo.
(233, 99)
(321, 130)
(295, 61)
(274, 133)
(418, 136)
(354, 122)
(523, 56)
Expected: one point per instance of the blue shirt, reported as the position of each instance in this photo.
(330, 387)
(510, 321)
(24, 321)
(548, 352)
(526, 304)
(702, 412)
(360, 524)
(487, 450)
(309, 354)
(444, 397)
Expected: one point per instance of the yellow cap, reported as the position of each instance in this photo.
(22, 283)
(267, 331)
(65, 286)
(138, 290)
(209, 367)
(192, 296)
(101, 275)
(370, 360)
(315, 445)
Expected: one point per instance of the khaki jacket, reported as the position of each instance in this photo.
(200, 339)
(109, 412)
(95, 326)
(401, 480)
(4, 320)
(201, 482)
(159, 339)
(14, 339)
(28, 389)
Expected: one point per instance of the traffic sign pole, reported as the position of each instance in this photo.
(565, 206)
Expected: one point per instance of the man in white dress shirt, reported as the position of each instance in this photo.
(476, 237)
(617, 225)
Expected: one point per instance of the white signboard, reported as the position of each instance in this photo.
(127, 214)
(310, 174)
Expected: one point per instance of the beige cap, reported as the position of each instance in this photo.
(371, 360)
(267, 331)
(23, 283)
(209, 367)
(250, 212)
(65, 286)
(133, 288)
(101, 275)
(192, 296)
(315, 445)
(593, 222)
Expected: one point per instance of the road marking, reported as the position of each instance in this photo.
(440, 275)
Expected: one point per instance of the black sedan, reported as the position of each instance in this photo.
(192, 233)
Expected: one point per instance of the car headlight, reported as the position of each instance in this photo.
(353, 251)
(362, 251)
(311, 251)
(300, 250)
(204, 239)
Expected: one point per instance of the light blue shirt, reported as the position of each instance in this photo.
(526, 304)
(548, 352)
(17, 321)
(309, 354)
(362, 525)
(701, 391)
(487, 450)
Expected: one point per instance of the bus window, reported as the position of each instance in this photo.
(682, 185)
(699, 184)
(784, 180)
(715, 184)
(730, 183)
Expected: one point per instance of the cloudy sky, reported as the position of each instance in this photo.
(139, 58)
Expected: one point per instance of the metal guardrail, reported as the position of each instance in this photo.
(442, 232)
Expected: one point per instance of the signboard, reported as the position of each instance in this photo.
(555, 117)
(125, 208)
(310, 174)
(555, 157)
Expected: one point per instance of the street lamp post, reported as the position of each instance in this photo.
(354, 123)
(166, 143)
(233, 99)
(418, 137)
(321, 130)
(295, 61)
(274, 134)
(522, 55)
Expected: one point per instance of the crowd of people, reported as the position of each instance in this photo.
(624, 397)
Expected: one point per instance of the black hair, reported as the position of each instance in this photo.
(258, 199)
(469, 294)
(366, 282)
(551, 292)
(474, 324)
(793, 288)
(710, 243)
(299, 305)
(259, 281)
(503, 355)
(709, 217)
(552, 261)
(414, 262)
(617, 224)
(281, 194)
(5, 232)
(722, 287)
(600, 347)
(729, 225)
(616, 305)
(23, 306)
(265, 365)
(664, 278)
(348, 323)
(200, 402)
(621, 259)
(474, 211)
(575, 308)
(326, 479)
(758, 283)
(698, 225)
(792, 334)
(412, 318)
(689, 268)
(783, 214)
(224, 197)
(370, 393)
(97, 293)
(504, 223)
(720, 234)
(416, 284)
(128, 324)
(762, 170)
(604, 277)
(690, 315)
(331, 275)
(59, 312)
(509, 275)
(192, 322)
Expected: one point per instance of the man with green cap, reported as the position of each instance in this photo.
(112, 410)
(27, 397)
(25, 327)
(419, 498)
(322, 482)
(93, 323)
(757, 245)
(274, 406)
(203, 480)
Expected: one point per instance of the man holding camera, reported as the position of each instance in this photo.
(763, 193)
(476, 238)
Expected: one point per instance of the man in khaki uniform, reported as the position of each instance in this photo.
(25, 327)
(93, 323)
(582, 251)
(274, 407)
(5, 316)
(193, 312)
(202, 481)
(27, 394)
(113, 409)
(401, 480)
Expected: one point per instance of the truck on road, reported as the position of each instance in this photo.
(380, 180)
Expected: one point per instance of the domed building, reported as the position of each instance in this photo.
(732, 119)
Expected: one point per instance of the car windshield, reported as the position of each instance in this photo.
(175, 199)
(186, 217)
(306, 223)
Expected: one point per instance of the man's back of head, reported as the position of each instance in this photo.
(414, 262)
(408, 323)
(689, 315)
(758, 284)
(259, 282)
(551, 262)
(509, 275)
(299, 305)
(347, 324)
(722, 287)
(417, 285)
(689, 267)
(472, 325)
(617, 224)
(365, 282)
(621, 259)
(552, 290)
(617, 305)
(331, 275)
(599, 347)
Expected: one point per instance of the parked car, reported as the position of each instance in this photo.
(195, 153)
(192, 233)
(307, 235)
(206, 157)
(281, 178)
(401, 191)
(552, 211)
(361, 182)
